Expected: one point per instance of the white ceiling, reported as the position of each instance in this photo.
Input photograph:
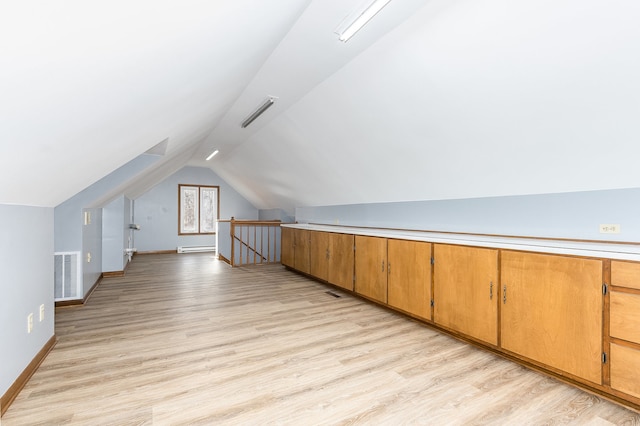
(433, 99)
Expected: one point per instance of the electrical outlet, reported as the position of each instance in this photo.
(609, 228)
(42, 312)
(88, 257)
(30, 322)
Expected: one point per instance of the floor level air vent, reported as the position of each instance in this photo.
(336, 295)
(67, 276)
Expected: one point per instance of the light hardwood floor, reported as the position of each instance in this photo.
(184, 339)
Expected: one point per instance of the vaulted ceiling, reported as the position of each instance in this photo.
(433, 99)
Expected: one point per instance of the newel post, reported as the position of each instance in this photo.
(232, 232)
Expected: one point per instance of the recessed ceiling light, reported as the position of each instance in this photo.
(213, 154)
(362, 19)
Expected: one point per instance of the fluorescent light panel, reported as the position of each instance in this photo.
(362, 19)
(213, 154)
(262, 108)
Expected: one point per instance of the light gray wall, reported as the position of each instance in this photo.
(224, 239)
(156, 211)
(91, 244)
(128, 234)
(275, 214)
(115, 230)
(26, 262)
(575, 215)
(71, 234)
(68, 215)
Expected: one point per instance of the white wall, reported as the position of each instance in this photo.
(156, 211)
(26, 262)
(464, 99)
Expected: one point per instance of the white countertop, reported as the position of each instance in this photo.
(620, 251)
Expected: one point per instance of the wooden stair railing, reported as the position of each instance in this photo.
(254, 242)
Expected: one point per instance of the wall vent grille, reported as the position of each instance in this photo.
(67, 276)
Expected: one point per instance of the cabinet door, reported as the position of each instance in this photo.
(625, 365)
(409, 276)
(371, 267)
(466, 290)
(341, 260)
(319, 254)
(286, 246)
(552, 311)
(301, 252)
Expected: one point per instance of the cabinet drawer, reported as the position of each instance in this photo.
(625, 369)
(625, 274)
(625, 316)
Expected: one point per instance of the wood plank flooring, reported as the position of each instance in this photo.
(185, 339)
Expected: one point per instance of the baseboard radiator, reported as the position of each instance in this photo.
(195, 249)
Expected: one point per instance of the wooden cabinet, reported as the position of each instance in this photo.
(625, 316)
(294, 251)
(409, 276)
(397, 272)
(466, 291)
(371, 267)
(624, 327)
(319, 254)
(625, 368)
(301, 243)
(625, 274)
(341, 260)
(286, 246)
(332, 259)
(545, 310)
(551, 311)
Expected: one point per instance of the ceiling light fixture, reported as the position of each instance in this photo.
(213, 154)
(262, 108)
(362, 19)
